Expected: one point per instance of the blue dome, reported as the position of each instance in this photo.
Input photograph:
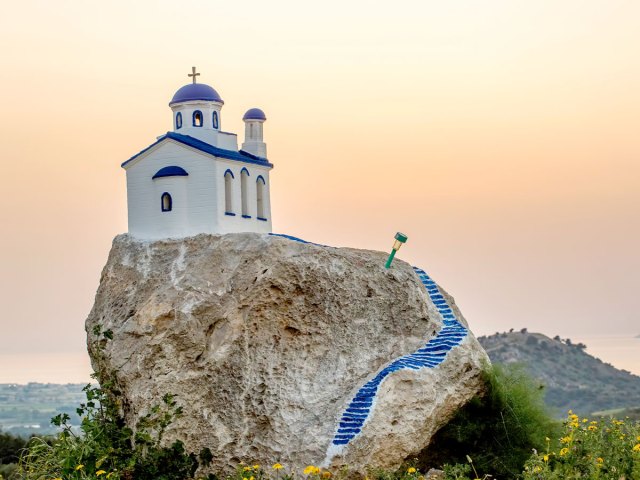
(254, 114)
(196, 91)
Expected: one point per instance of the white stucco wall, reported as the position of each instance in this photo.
(198, 199)
(237, 223)
(228, 141)
(206, 132)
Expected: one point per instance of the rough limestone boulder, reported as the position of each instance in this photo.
(283, 351)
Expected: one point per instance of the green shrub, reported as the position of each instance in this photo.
(10, 448)
(8, 471)
(106, 447)
(589, 449)
(499, 429)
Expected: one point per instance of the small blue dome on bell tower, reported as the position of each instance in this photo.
(254, 114)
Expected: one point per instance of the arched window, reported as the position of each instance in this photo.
(178, 121)
(215, 120)
(197, 118)
(244, 177)
(228, 193)
(165, 202)
(260, 188)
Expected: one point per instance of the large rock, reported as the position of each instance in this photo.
(283, 351)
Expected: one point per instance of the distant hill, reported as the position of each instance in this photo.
(573, 378)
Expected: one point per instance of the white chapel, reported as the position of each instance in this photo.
(195, 179)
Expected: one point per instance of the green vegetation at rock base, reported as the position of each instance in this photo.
(506, 433)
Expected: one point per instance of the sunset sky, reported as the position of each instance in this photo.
(502, 136)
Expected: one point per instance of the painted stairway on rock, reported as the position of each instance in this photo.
(431, 355)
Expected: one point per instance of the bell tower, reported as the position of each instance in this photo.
(253, 143)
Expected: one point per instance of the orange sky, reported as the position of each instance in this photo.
(501, 136)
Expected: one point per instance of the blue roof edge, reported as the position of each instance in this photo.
(240, 156)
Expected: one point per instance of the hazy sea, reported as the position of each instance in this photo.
(621, 351)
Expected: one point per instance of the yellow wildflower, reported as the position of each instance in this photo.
(100, 472)
(277, 466)
(565, 439)
(564, 451)
(600, 460)
(537, 469)
(79, 467)
(311, 470)
(411, 470)
(592, 428)
(256, 467)
(638, 438)
(585, 420)
(570, 412)
(636, 448)
(545, 458)
(326, 474)
(246, 469)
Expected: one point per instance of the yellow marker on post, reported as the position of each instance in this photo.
(400, 239)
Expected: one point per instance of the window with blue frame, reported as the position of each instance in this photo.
(215, 120)
(244, 178)
(228, 193)
(260, 188)
(178, 120)
(197, 118)
(165, 202)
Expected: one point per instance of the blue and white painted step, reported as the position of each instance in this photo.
(431, 355)
(434, 352)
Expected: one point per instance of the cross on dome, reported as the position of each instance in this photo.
(193, 74)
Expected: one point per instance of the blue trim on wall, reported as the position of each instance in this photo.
(204, 147)
(229, 171)
(162, 197)
(171, 171)
(178, 120)
(262, 219)
(244, 169)
(230, 214)
(214, 120)
(260, 177)
(195, 112)
(246, 216)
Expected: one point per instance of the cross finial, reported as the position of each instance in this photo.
(193, 74)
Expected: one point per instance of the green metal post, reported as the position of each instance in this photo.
(390, 259)
(400, 239)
